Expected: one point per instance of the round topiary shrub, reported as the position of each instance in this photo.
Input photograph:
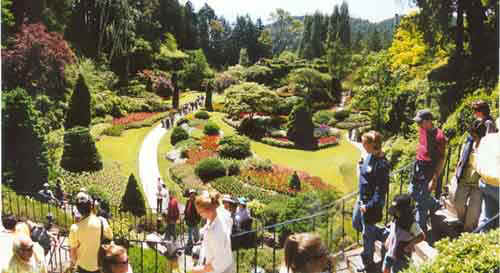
(211, 129)
(202, 115)
(234, 146)
(341, 114)
(178, 134)
(209, 169)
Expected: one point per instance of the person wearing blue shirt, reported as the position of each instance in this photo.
(373, 186)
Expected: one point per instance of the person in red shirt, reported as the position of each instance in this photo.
(192, 218)
(428, 166)
(172, 217)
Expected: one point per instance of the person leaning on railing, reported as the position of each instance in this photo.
(306, 253)
(373, 184)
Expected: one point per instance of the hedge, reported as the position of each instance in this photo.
(178, 134)
(202, 115)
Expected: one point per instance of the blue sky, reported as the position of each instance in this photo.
(372, 10)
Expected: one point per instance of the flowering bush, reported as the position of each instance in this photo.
(157, 81)
(35, 60)
(132, 118)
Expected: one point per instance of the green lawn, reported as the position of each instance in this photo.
(335, 165)
(164, 164)
(123, 149)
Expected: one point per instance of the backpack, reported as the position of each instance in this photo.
(40, 235)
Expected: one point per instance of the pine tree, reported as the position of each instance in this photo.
(133, 200)
(345, 27)
(208, 99)
(24, 149)
(301, 127)
(316, 43)
(80, 153)
(190, 28)
(304, 50)
(79, 107)
(333, 25)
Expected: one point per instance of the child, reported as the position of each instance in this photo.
(404, 234)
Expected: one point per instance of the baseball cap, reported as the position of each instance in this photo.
(424, 114)
(82, 197)
(242, 200)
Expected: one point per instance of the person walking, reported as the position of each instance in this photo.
(85, 236)
(464, 188)
(373, 185)
(428, 166)
(192, 218)
(172, 217)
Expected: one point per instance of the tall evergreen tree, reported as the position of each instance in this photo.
(133, 200)
(334, 24)
(171, 19)
(80, 153)
(316, 43)
(345, 27)
(79, 107)
(175, 93)
(190, 27)
(204, 17)
(244, 60)
(208, 99)
(24, 149)
(305, 50)
(301, 127)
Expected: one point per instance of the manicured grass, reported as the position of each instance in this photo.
(164, 164)
(335, 165)
(123, 149)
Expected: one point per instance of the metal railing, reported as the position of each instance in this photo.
(329, 221)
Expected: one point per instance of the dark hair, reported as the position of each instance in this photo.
(84, 208)
(481, 106)
(402, 210)
(108, 255)
(302, 249)
(478, 127)
(9, 221)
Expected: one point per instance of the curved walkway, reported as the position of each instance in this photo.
(148, 164)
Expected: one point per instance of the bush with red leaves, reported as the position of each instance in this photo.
(35, 60)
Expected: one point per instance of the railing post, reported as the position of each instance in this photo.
(237, 260)
(343, 224)
(255, 259)
(274, 250)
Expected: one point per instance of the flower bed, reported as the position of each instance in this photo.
(329, 141)
(134, 117)
(208, 148)
(233, 186)
(278, 142)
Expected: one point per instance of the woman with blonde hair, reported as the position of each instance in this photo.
(373, 186)
(306, 253)
(216, 255)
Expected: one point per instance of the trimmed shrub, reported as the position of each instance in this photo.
(178, 134)
(323, 117)
(278, 143)
(301, 127)
(341, 114)
(258, 164)
(469, 253)
(294, 183)
(133, 200)
(259, 74)
(147, 260)
(209, 169)
(79, 110)
(234, 146)
(80, 153)
(202, 115)
(253, 128)
(181, 121)
(211, 129)
(115, 130)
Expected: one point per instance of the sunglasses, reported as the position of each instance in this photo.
(26, 249)
(120, 263)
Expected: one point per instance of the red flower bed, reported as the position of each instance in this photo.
(284, 139)
(244, 114)
(135, 117)
(327, 140)
(209, 145)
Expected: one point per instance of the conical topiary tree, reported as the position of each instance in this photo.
(79, 107)
(301, 127)
(133, 200)
(294, 183)
(80, 153)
